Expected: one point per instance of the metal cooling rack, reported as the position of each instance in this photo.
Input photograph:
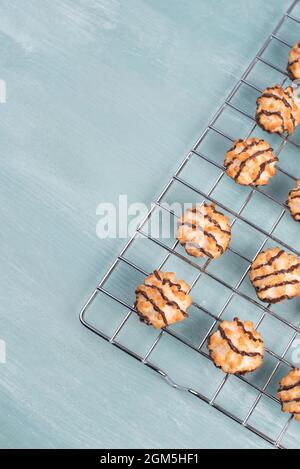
(202, 270)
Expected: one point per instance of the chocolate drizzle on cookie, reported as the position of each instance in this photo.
(161, 300)
(276, 278)
(155, 306)
(293, 67)
(236, 347)
(190, 245)
(293, 202)
(278, 110)
(247, 332)
(279, 272)
(250, 162)
(291, 386)
(266, 113)
(166, 299)
(270, 261)
(203, 231)
(289, 393)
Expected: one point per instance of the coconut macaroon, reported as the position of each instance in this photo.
(275, 275)
(203, 231)
(293, 202)
(278, 110)
(236, 347)
(289, 393)
(293, 67)
(251, 162)
(162, 300)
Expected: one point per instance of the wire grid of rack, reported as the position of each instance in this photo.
(203, 269)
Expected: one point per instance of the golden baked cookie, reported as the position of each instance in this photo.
(162, 300)
(278, 110)
(293, 202)
(203, 231)
(251, 162)
(293, 67)
(236, 347)
(289, 393)
(275, 275)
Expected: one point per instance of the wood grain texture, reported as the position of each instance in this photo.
(103, 97)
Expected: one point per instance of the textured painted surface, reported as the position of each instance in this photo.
(103, 97)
